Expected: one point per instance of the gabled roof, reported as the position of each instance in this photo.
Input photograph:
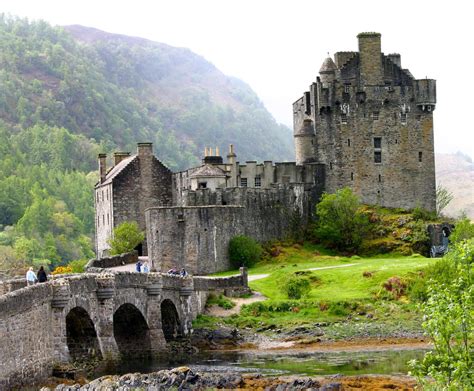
(208, 170)
(116, 170)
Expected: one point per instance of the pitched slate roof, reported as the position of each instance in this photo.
(116, 170)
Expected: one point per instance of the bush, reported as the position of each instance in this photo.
(463, 230)
(295, 287)
(423, 214)
(244, 251)
(78, 265)
(126, 237)
(220, 301)
(341, 222)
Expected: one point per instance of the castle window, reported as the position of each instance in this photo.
(380, 178)
(98, 221)
(307, 103)
(375, 115)
(202, 185)
(420, 156)
(258, 181)
(347, 88)
(102, 195)
(108, 220)
(352, 176)
(103, 219)
(344, 118)
(377, 142)
(396, 141)
(243, 182)
(403, 118)
(348, 142)
(330, 166)
(378, 157)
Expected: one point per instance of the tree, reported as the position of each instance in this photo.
(449, 320)
(443, 198)
(126, 237)
(244, 251)
(340, 222)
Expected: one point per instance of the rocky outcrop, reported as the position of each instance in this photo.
(183, 378)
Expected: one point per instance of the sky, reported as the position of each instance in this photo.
(277, 47)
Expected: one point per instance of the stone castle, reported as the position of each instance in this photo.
(366, 123)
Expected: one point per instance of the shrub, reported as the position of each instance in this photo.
(220, 301)
(62, 270)
(244, 251)
(126, 237)
(77, 266)
(463, 230)
(341, 222)
(396, 286)
(341, 308)
(423, 214)
(295, 287)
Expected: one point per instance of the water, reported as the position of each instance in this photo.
(388, 362)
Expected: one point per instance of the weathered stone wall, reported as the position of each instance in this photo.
(112, 261)
(197, 236)
(33, 333)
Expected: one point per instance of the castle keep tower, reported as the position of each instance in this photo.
(370, 122)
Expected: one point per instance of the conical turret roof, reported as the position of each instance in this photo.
(328, 66)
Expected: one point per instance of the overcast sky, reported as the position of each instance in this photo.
(278, 46)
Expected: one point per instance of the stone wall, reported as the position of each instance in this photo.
(33, 327)
(112, 261)
(197, 236)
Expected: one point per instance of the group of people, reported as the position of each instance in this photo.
(33, 278)
(174, 272)
(142, 267)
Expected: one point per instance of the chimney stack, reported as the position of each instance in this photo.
(119, 156)
(145, 149)
(102, 166)
(370, 57)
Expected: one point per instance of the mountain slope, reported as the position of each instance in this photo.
(455, 172)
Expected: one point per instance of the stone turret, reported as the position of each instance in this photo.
(304, 140)
(328, 70)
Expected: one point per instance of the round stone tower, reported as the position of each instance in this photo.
(328, 70)
(304, 140)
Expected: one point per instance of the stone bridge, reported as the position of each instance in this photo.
(104, 315)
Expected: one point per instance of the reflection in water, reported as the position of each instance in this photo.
(274, 363)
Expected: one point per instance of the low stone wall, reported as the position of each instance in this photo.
(12, 285)
(230, 286)
(112, 261)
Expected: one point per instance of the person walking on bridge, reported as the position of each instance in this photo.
(30, 277)
(42, 275)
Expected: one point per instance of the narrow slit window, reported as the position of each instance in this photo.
(103, 219)
(330, 166)
(420, 156)
(348, 142)
(352, 176)
(380, 178)
(108, 220)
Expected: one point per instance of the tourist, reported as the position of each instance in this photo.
(30, 277)
(173, 271)
(183, 273)
(146, 268)
(42, 275)
(138, 266)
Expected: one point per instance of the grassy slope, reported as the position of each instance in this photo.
(346, 285)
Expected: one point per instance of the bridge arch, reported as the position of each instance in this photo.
(131, 331)
(81, 336)
(170, 320)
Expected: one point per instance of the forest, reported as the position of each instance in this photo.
(69, 93)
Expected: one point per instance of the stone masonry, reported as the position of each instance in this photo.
(36, 330)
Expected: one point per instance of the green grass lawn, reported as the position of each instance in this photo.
(345, 289)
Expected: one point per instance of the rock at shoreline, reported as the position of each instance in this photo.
(183, 378)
